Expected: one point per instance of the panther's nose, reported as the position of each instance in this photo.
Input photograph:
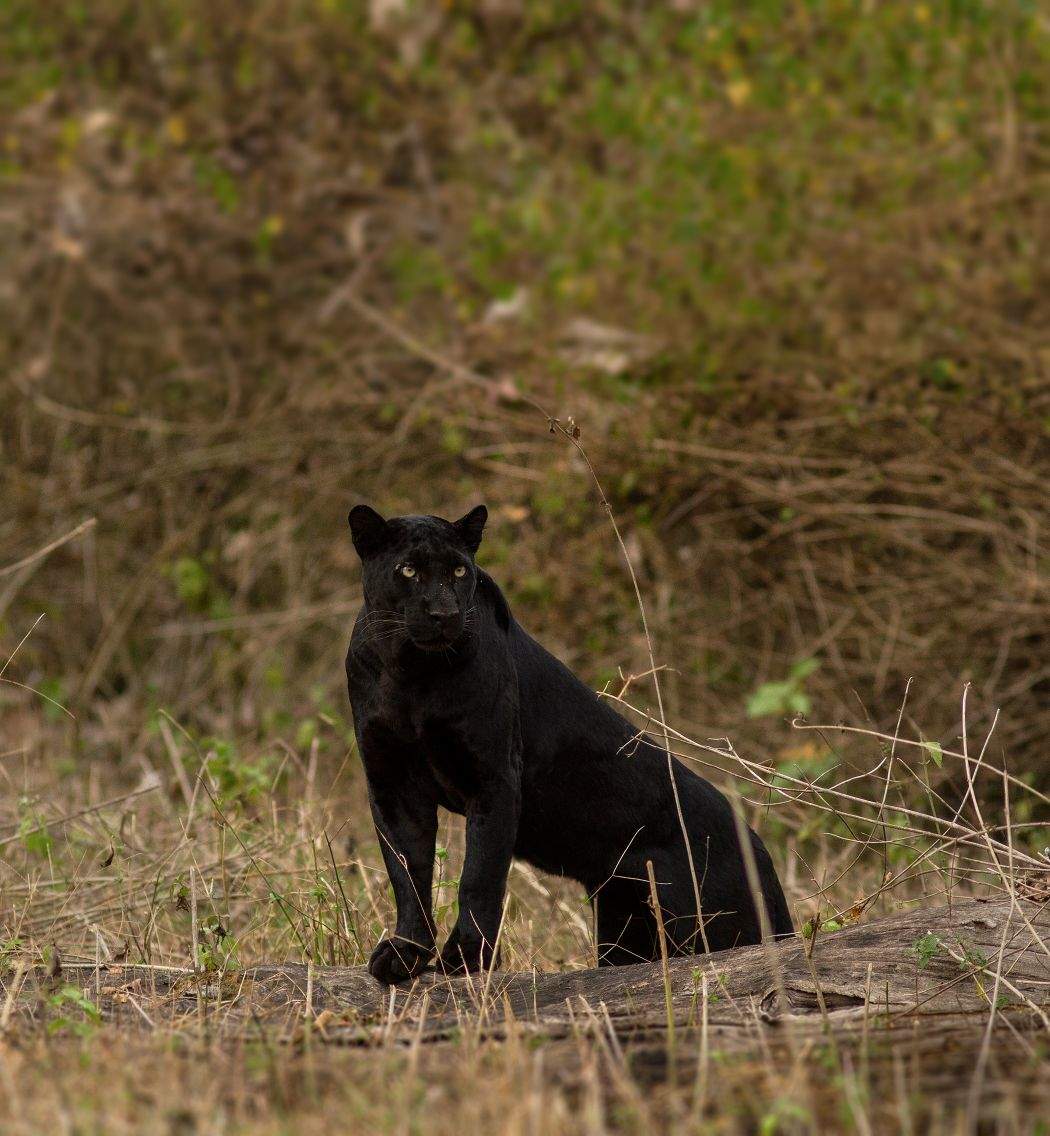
(443, 612)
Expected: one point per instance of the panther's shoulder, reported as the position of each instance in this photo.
(490, 591)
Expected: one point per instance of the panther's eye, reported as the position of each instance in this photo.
(459, 572)
(408, 570)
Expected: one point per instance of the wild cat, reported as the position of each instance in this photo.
(456, 705)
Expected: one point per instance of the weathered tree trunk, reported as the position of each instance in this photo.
(945, 966)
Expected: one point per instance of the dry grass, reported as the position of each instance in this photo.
(168, 1085)
(231, 861)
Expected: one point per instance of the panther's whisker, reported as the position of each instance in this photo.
(380, 637)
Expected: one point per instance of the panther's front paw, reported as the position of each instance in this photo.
(396, 960)
(464, 954)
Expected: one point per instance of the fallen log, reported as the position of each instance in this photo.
(943, 966)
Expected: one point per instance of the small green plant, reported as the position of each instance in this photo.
(9, 950)
(216, 180)
(56, 695)
(74, 1012)
(927, 947)
(786, 697)
(239, 779)
(190, 578)
(322, 724)
(196, 586)
(698, 989)
(180, 895)
(783, 1116)
(32, 829)
(972, 957)
(217, 948)
(826, 927)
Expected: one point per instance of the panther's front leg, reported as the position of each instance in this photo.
(405, 813)
(492, 828)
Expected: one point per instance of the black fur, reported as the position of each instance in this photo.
(456, 705)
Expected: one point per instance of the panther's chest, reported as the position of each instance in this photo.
(446, 745)
(451, 761)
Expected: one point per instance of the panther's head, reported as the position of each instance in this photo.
(418, 575)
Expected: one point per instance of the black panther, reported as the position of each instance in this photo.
(456, 705)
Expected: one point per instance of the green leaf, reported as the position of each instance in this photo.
(191, 580)
(935, 752)
(799, 702)
(804, 668)
(768, 699)
(785, 697)
(37, 840)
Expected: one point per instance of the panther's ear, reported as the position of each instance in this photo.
(470, 527)
(368, 529)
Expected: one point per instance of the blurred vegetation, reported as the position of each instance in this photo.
(784, 263)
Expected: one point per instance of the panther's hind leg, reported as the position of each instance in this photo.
(625, 924)
(677, 893)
